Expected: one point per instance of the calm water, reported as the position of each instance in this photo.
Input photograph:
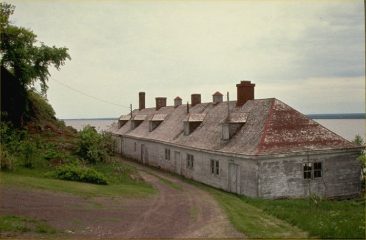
(97, 123)
(346, 128)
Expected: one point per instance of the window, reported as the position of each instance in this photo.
(134, 147)
(318, 170)
(312, 170)
(190, 161)
(215, 167)
(307, 170)
(167, 154)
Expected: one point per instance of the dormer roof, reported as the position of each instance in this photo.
(271, 128)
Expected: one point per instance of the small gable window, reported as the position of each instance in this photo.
(167, 154)
(155, 121)
(192, 121)
(190, 161)
(137, 120)
(123, 120)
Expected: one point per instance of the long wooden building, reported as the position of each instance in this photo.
(253, 147)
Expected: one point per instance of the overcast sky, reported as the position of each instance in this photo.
(310, 55)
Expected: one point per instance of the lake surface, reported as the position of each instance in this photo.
(346, 128)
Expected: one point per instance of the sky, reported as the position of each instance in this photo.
(310, 55)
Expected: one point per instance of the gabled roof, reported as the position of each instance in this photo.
(271, 127)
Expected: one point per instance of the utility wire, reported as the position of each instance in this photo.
(89, 95)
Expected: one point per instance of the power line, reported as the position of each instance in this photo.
(89, 95)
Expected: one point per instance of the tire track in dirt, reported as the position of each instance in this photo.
(201, 218)
(191, 213)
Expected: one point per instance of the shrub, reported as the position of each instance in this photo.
(94, 147)
(76, 173)
(89, 145)
(28, 150)
(11, 138)
(7, 160)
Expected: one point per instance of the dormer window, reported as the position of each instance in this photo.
(123, 120)
(233, 124)
(137, 120)
(155, 121)
(192, 121)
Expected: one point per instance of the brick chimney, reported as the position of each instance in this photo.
(245, 92)
(177, 101)
(217, 97)
(141, 100)
(195, 99)
(160, 102)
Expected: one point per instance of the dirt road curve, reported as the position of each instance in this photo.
(191, 213)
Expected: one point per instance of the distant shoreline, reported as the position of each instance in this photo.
(337, 116)
(312, 116)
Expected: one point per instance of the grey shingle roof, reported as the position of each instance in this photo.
(271, 127)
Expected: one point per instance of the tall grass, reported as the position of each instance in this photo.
(327, 219)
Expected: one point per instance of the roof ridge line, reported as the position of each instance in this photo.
(265, 128)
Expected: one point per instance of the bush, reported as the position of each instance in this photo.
(28, 150)
(10, 137)
(76, 173)
(7, 160)
(94, 147)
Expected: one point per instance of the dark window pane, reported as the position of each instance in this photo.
(317, 166)
(317, 174)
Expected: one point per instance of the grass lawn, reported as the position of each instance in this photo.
(261, 218)
(119, 183)
(327, 219)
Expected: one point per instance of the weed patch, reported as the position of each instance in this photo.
(20, 224)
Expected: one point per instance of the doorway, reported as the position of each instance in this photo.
(143, 154)
(234, 176)
(177, 163)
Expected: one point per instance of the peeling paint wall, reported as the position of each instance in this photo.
(285, 178)
(271, 178)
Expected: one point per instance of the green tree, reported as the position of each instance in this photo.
(27, 62)
(24, 62)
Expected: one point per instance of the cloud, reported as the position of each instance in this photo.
(171, 48)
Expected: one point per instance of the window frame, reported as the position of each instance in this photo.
(215, 167)
(318, 170)
(167, 154)
(312, 170)
(190, 161)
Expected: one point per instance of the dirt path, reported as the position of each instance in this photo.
(172, 213)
